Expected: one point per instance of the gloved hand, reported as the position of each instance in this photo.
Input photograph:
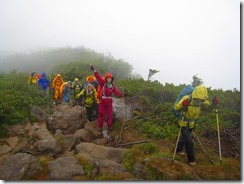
(215, 101)
(92, 67)
(185, 104)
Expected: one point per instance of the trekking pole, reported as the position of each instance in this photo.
(217, 119)
(177, 141)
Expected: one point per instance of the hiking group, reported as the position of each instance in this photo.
(96, 94)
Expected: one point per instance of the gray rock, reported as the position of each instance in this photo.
(69, 142)
(67, 123)
(64, 169)
(101, 152)
(21, 145)
(50, 147)
(84, 135)
(108, 166)
(19, 166)
(42, 134)
(4, 149)
(121, 110)
(15, 130)
(12, 141)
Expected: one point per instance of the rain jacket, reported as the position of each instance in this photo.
(57, 81)
(56, 84)
(43, 82)
(90, 97)
(77, 89)
(105, 90)
(64, 90)
(33, 79)
(193, 110)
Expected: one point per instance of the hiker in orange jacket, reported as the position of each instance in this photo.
(105, 103)
(56, 84)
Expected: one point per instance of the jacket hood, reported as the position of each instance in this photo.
(200, 92)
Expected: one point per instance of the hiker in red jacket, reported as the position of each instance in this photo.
(105, 101)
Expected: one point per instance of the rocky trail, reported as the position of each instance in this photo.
(65, 146)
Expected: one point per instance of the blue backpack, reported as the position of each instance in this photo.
(186, 91)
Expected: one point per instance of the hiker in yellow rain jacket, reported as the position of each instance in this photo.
(188, 110)
(56, 84)
(91, 103)
(33, 78)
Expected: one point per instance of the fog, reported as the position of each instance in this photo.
(178, 38)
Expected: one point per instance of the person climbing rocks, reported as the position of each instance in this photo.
(89, 94)
(105, 102)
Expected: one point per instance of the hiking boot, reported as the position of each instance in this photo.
(181, 153)
(192, 163)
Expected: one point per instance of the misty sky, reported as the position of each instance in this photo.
(179, 38)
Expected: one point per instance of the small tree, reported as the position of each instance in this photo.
(151, 73)
(196, 81)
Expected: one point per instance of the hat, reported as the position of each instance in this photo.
(76, 79)
(90, 78)
(108, 75)
(89, 85)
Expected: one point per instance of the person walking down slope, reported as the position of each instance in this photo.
(64, 90)
(89, 94)
(56, 84)
(43, 82)
(187, 111)
(105, 103)
(33, 78)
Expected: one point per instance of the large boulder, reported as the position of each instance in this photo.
(101, 152)
(68, 123)
(64, 169)
(19, 166)
(121, 110)
(50, 147)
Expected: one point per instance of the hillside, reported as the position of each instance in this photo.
(42, 141)
(65, 146)
(71, 62)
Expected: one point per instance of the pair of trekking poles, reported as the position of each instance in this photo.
(217, 122)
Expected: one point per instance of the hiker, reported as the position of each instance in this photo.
(56, 84)
(187, 111)
(76, 89)
(43, 82)
(89, 94)
(33, 78)
(105, 101)
(64, 90)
